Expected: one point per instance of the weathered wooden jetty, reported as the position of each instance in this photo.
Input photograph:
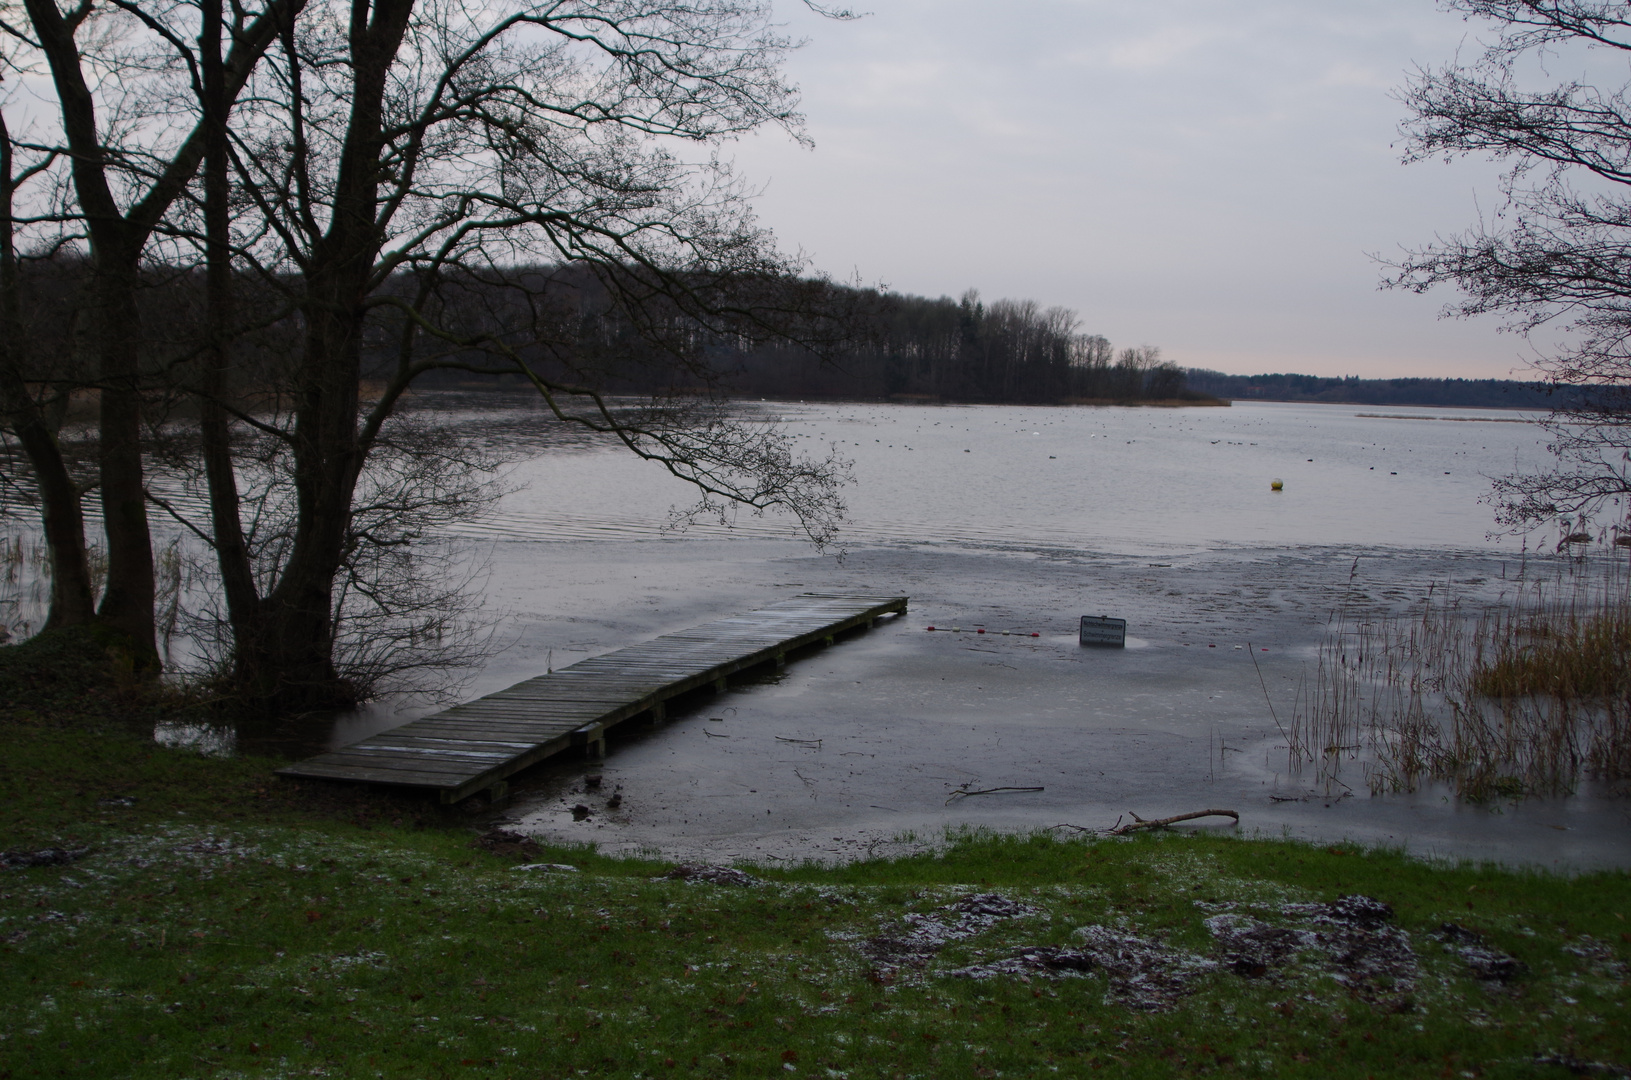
(474, 746)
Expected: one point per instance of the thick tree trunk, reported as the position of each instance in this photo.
(296, 653)
(298, 647)
(127, 601)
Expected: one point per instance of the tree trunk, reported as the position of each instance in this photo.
(127, 601)
(215, 432)
(298, 648)
(60, 512)
(295, 658)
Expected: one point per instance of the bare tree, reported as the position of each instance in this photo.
(30, 417)
(387, 155)
(362, 162)
(1557, 256)
(127, 174)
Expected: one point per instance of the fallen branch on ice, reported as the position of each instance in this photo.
(1160, 823)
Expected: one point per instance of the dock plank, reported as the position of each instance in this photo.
(476, 744)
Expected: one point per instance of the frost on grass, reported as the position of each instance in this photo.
(1352, 939)
(1483, 960)
(715, 875)
(918, 938)
(1143, 974)
(1599, 955)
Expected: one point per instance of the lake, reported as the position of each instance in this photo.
(1022, 518)
(1114, 480)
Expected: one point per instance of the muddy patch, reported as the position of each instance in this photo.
(713, 875)
(1352, 939)
(509, 844)
(919, 937)
(51, 856)
(1143, 973)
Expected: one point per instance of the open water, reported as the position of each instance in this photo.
(1115, 480)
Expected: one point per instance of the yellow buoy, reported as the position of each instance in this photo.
(1276, 484)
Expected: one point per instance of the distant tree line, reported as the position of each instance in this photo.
(1466, 393)
(915, 348)
(872, 345)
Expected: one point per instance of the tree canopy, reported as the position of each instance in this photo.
(354, 194)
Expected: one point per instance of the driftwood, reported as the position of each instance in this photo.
(1160, 823)
(963, 793)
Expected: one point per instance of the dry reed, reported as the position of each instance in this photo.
(1519, 697)
(25, 586)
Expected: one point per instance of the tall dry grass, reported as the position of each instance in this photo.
(1522, 696)
(25, 586)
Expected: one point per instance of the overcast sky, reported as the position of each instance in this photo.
(1211, 177)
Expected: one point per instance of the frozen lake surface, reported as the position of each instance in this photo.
(1022, 519)
(1017, 518)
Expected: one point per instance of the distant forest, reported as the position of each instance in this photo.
(1470, 393)
(868, 344)
(914, 348)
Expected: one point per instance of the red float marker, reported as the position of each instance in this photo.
(1004, 633)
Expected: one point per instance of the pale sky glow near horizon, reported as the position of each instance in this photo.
(1213, 178)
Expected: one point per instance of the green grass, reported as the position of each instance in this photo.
(227, 924)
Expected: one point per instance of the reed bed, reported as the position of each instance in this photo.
(25, 586)
(1523, 696)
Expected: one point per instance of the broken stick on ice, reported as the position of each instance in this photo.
(1159, 823)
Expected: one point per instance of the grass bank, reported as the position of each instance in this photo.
(221, 923)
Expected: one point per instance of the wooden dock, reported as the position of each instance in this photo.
(474, 746)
